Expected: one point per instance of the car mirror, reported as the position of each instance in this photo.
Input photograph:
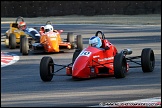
(127, 51)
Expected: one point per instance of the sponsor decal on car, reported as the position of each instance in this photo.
(105, 59)
(96, 56)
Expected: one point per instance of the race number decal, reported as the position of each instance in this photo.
(85, 53)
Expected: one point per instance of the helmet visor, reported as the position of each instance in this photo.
(94, 44)
(47, 30)
(22, 27)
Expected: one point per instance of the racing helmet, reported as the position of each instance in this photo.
(22, 25)
(95, 41)
(48, 28)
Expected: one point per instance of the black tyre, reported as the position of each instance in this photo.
(70, 38)
(46, 69)
(120, 66)
(12, 41)
(22, 36)
(147, 60)
(75, 55)
(79, 42)
(25, 46)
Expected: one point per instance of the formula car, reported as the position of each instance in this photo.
(51, 42)
(14, 34)
(93, 62)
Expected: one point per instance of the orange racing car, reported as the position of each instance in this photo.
(51, 41)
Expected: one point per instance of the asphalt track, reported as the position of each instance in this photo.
(21, 85)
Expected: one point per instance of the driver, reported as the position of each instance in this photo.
(48, 31)
(48, 28)
(22, 25)
(95, 41)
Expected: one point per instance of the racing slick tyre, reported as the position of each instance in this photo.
(24, 46)
(22, 36)
(75, 55)
(12, 41)
(120, 65)
(70, 38)
(79, 42)
(147, 60)
(46, 69)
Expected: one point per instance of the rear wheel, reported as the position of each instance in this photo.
(12, 41)
(24, 46)
(79, 42)
(120, 66)
(46, 69)
(70, 38)
(147, 60)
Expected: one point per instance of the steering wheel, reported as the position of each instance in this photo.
(20, 18)
(103, 36)
(49, 22)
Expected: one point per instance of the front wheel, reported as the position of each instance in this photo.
(120, 66)
(46, 69)
(12, 41)
(22, 36)
(147, 60)
(24, 46)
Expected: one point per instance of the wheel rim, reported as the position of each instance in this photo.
(124, 67)
(50, 69)
(152, 60)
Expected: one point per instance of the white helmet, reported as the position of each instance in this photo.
(95, 41)
(48, 28)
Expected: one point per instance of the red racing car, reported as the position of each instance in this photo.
(105, 61)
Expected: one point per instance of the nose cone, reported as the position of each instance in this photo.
(53, 45)
(80, 68)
